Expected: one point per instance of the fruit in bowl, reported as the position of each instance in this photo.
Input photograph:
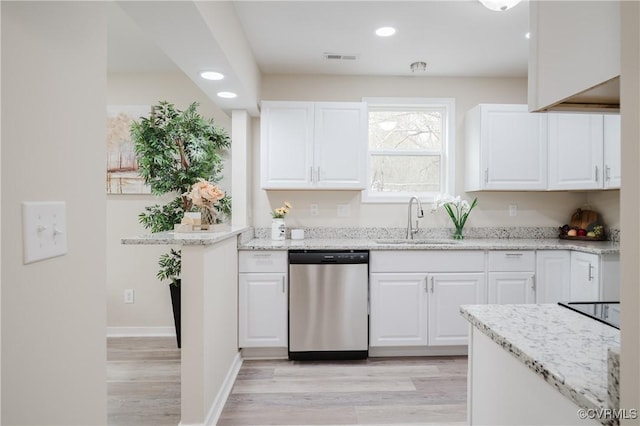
(572, 232)
(581, 232)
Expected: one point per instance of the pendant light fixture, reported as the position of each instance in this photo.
(499, 5)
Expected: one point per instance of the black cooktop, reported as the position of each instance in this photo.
(606, 312)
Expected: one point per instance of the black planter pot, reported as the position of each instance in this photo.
(175, 302)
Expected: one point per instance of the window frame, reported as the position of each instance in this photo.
(447, 166)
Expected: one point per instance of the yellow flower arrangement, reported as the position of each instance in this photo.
(281, 212)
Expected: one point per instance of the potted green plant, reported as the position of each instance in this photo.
(178, 152)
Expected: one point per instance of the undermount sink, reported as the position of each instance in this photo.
(410, 242)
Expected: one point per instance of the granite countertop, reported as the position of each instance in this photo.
(190, 238)
(568, 350)
(597, 247)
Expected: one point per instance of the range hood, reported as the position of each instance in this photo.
(604, 97)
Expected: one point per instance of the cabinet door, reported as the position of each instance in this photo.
(514, 148)
(575, 151)
(612, 171)
(262, 314)
(553, 276)
(446, 293)
(340, 145)
(511, 287)
(398, 310)
(286, 145)
(585, 277)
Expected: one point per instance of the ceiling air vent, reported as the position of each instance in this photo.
(339, 57)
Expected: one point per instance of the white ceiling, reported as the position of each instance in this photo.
(454, 38)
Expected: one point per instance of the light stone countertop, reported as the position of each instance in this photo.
(597, 247)
(567, 349)
(190, 238)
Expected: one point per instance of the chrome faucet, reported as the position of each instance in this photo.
(410, 230)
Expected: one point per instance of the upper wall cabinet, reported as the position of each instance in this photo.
(584, 151)
(506, 148)
(575, 151)
(612, 170)
(313, 145)
(574, 55)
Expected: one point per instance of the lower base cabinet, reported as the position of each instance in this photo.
(416, 297)
(262, 299)
(262, 311)
(398, 310)
(446, 293)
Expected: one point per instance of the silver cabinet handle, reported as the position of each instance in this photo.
(486, 175)
(431, 284)
(533, 283)
(283, 289)
(597, 174)
(311, 173)
(425, 285)
(590, 274)
(513, 254)
(607, 173)
(318, 174)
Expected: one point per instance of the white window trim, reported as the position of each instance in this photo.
(447, 170)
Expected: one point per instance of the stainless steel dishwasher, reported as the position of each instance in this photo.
(328, 304)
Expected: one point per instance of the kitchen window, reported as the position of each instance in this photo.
(410, 149)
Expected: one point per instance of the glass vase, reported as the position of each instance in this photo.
(457, 234)
(208, 217)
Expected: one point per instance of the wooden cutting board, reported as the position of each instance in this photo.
(583, 218)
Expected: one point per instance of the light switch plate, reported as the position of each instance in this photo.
(44, 230)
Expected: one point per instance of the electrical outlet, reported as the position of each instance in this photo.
(344, 210)
(129, 296)
(513, 210)
(313, 209)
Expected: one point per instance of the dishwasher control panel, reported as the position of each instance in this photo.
(326, 256)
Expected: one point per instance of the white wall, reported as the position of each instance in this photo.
(135, 267)
(629, 205)
(534, 208)
(53, 149)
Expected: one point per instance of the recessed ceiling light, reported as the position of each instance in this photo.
(527, 35)
(227, 95)
(385, 31)
(211, 75)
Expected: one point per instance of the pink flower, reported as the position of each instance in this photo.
(204, 192)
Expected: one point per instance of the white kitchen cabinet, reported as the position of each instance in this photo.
(511, 277)
(575, 151)
(511, 287)
(416, 296)
(313, 145)
(262, 296)
(553, 276)
(566, 39)
(612, 169)
(506, 148)
(447, 291)
(594, 277)
(398, 309)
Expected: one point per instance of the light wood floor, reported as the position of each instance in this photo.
(144, 389)
(143, 381)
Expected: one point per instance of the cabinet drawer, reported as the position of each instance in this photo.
(512, 260)
(426, 261)
(262, 261)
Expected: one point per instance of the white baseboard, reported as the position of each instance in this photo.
(225, 390)
(140, 331)
(418, 351)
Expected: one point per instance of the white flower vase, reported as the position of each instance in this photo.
(277, 229)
